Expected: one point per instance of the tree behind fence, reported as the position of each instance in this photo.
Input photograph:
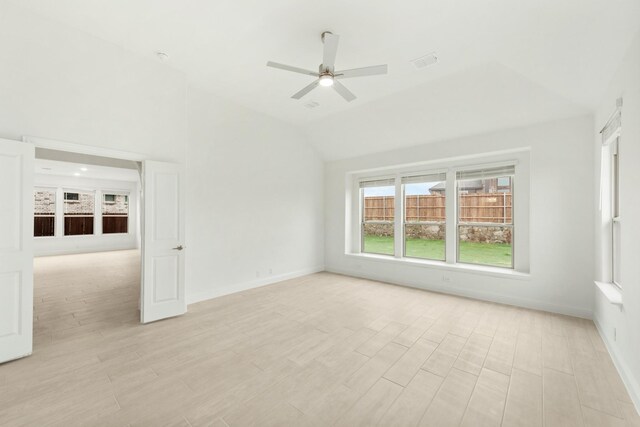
(475, 207)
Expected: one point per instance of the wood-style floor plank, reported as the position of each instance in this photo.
(317, 350)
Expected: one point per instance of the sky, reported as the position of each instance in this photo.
(409, 190)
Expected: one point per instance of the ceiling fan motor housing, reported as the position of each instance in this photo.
(322, 70)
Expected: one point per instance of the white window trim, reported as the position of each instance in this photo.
(52, 189)
(610, 218)
(521, 210)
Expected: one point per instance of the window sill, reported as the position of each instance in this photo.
(611, 292)
(463, 268)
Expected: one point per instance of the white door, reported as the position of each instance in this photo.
(163, 293)
(16, 249)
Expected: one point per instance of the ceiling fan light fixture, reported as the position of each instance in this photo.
(326, 80)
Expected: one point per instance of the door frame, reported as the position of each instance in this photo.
(70, 147)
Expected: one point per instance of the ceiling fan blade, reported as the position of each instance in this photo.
(290, 68)
(305, 90)
(343, 91)
(362, 72)
(330, 49)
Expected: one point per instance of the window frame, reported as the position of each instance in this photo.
(512, 225)
(115, 193)
(55, 210)
(518, 158)
(96, 205)
(404, 222)
(614, 188)
(363, 221)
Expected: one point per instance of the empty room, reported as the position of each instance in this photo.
(292, 213)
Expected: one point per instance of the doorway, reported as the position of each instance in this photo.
(161, 241)
(87, 266)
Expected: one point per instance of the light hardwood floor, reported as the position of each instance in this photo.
(318, 350)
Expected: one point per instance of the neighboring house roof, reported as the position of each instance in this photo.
(474, 184)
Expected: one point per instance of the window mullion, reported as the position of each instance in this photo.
(398, 221)
(451, 218)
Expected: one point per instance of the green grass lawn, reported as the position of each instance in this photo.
(497, 254)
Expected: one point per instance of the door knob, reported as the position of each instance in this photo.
(178, 248)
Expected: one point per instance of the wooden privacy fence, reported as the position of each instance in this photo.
(475, 207)
(44, 225)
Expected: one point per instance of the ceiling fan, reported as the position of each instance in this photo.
(326, 75)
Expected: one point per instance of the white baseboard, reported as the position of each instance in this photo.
(476, 294)
(90, 249)
(633, 388)
(238, 287)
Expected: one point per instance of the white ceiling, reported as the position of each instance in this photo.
(75, 170)
(545, 58)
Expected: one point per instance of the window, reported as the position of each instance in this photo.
(462, 216)
(485, 216)
(610, 195)
(115, 213)
(425, 216)
(44, 213)
(378, 216)
(78, 213)
(615, 213)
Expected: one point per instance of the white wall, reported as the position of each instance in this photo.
(60, 83)
(61, 244)
(255, 192)
(560, 244)
(625, 348)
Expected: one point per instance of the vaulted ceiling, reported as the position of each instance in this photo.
(502, 63)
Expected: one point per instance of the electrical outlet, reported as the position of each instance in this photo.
(446, 278)
(615, 334)
(270, 271)
(257, 273)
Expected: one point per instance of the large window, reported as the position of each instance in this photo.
(425, 216)
(115, 213)
(378, 216)
(79, 208)
(462, 216)
(44, 213)
(485, 216)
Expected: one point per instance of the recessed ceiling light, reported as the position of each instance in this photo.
(83, 169)
(425, 61)
(46, 169)
(162, 56)
(76, 174)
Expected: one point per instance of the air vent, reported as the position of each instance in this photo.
(425, 61)
(312, 104)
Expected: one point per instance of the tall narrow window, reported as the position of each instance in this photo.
(378, 214)
(610, 189)
(615, 213)
(115, 213)
(44, 213)
(485, 216)
(78, 213)
(425, 216)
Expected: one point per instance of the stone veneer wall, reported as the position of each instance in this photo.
(44, 202)
(468, 233)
